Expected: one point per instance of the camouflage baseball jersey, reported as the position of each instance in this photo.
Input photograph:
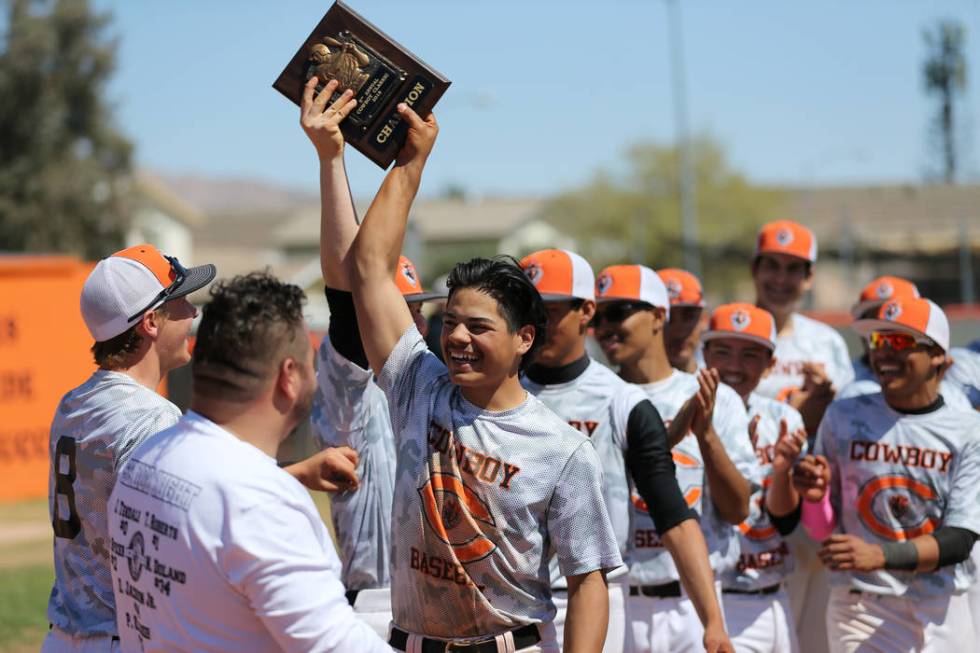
(764, 559)
(897, 476)
(598, 403)
(866, 383)
(215, 548)
(651, 562)
(349, 409)
(95, 429)
(481, 499)
(965, 374)
(810, 342)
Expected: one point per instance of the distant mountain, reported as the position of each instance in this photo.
(222, 195)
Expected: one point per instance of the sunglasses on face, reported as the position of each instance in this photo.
(619, 311)
(180, 274)
(896, 341)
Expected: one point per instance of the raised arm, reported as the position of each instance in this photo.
(338, 220)
(382, 314)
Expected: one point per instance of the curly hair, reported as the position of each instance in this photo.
(518, 301)
(250, 324)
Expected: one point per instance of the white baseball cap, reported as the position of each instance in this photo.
(131, 282)
(632, 283)
(560, 275)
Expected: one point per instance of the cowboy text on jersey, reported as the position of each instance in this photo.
(900, 454)
(483, 467)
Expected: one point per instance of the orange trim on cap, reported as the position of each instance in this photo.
(786, 237)
(683, 288)
(909, 313)
(407, 278)
(551, 271)
(619, 282)
(151, 258)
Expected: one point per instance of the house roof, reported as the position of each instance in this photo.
(904, 218)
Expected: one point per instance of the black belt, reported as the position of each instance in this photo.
(352, 596)
(524, 637)
(772, 589)
(665, 591)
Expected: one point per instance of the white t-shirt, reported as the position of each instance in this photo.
(598, 403)
(215, 548)
(652, 564)
(481, 500)
(95, 429)
(965, 373)
(349, 409)
(764, 559)
(896, 476)
(809, 342)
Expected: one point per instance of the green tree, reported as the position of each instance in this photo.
(635, 215)
(64, 167)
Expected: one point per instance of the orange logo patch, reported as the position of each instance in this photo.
(454, 512)
(897, 497)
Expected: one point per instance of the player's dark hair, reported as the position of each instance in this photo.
(251, 324)
(121, 352)
(518, 301)
(807, 265)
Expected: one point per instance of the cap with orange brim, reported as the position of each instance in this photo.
(560, 275)
(683, 288)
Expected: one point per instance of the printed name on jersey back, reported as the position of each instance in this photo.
(585, 426)
(771, 559)
(910, 456)
(481, 466)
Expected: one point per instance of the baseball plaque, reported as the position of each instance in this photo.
(381, 73)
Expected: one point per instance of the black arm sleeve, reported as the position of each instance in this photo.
(955, 544)
(343, 332)
(787, 523)
(652, 468)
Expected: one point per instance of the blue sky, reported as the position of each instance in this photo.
(546, 92)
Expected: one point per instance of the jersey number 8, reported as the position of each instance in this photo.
(64, 486)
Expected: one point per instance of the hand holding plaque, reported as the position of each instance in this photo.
(347, 49)
(322, 123)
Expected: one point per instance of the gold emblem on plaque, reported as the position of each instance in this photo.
(340, 60)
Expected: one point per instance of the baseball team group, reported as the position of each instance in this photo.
(724, 480)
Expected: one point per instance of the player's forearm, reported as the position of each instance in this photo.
(729, 490)
(379, 241)
(587, 617)
(781, 497)
(687, 547)
(338, 222)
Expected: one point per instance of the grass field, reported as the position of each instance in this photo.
(26, 572)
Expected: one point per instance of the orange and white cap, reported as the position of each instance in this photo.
(632, 283)
(407, 280)
(683, 288)
(917, 316)
(131, 282)
(881, 290)
(742, 321)
(787, 237)
(559, 275)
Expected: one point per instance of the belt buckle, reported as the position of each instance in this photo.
(465, 645)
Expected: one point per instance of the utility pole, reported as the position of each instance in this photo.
(689, 217)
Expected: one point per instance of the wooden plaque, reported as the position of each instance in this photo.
(346, 47)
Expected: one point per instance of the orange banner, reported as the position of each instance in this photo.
(44, 352)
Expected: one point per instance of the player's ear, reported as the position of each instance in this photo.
(772, 364)
(289, 380)
(151, 322)
(525, 336)
(588, 312)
